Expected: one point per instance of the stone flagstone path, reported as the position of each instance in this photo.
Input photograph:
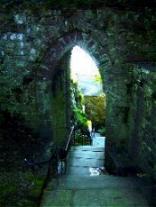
(84, 184)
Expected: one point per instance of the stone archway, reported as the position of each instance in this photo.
(58, 48)
(55, 71)
(114, 84)
(108, 34)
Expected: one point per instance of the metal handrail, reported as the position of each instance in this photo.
(30, 163)
(69, 138)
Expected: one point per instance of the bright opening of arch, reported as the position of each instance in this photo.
(85, 72)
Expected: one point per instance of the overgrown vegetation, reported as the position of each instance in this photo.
(19, 185)
(95, 107)
(19, 188)
(79, 115)
(82, 135)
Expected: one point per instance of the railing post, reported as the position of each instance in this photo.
(69, 139)
(74, 137)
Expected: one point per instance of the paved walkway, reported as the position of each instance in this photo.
(86, 183)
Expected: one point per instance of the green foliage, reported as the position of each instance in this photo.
(102, 131)
(80, 117)
(96, 109)
(80, 138)
(19, 189)
(77, 96)
(98, 79)
(77, 101)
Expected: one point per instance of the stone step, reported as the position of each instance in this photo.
(88, 155)
(97, 182)
(82, 170)
(85, 155)
(86, 162)
(111, 197)
(84, 186)
(87, 148)
(99, 191)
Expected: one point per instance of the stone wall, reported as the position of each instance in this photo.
(142, 119)
(61, 102)
(34, 43)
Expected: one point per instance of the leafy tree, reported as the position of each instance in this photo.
(78, 105)
(95, 107)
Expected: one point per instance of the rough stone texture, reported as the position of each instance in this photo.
(61, 102)
(81, 187)
(142, 144)
(33, 44)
